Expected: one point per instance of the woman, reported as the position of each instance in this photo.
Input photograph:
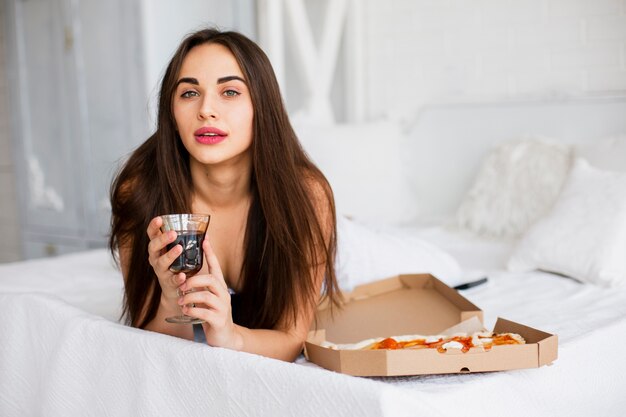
(224, 146)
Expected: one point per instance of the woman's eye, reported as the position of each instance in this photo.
(188, 94)
(231, 93)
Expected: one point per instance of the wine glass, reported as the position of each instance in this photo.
(190, 229)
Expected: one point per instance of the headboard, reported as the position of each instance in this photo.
(393, 173)
(448, 142)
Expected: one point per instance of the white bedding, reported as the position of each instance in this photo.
(63, 353)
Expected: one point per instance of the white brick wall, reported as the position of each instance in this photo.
(422, 51)
(9, 221)
(583, 8)
(606, 80)
(606, 28)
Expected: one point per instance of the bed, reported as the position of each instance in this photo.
(63, 351)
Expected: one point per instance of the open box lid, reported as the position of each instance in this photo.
(404, 304)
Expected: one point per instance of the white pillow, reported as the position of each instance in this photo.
(362, 162)
(516, 184)
(608, 153)
(584, 236)
(365, 255)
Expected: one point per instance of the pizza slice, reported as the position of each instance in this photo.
(462, 341)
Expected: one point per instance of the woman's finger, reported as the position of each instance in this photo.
(159, 242)
(205, 298)
(213, 263)
(170, 284)
(154, 227)
(203, 281)
(216, 322)
(209, 316)
(167, 259)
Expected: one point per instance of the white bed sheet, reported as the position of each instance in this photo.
(574, 309)
(63, 353)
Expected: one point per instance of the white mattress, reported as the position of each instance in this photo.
(62, 352)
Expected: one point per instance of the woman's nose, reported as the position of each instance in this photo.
(208, 109)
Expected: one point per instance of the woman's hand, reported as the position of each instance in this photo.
(160, 259)
(209, 300)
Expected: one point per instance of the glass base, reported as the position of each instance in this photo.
(183, 320)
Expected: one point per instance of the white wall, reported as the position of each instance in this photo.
(424, 51)
(421, 52)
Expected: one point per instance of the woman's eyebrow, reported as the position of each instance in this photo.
(230, 78)
(189, 80)
(220, 80)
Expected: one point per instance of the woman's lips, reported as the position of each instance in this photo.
(209, 135)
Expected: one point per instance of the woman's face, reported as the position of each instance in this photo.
(212, 106)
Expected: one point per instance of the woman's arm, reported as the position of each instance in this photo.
(213, 304)
(167, 280)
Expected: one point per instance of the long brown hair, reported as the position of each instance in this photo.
(284, 239)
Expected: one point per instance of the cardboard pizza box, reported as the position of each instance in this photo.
(416, 304)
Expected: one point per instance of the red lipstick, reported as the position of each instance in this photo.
(208, 135)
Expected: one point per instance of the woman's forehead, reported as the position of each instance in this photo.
(209, 62)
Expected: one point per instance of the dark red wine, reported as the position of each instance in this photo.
(190, 261)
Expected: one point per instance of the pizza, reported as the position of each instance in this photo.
(462, 341)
